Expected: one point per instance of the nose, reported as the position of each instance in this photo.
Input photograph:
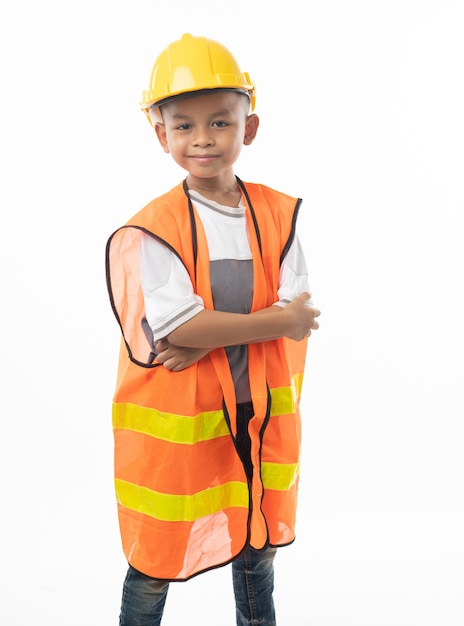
(202, 137)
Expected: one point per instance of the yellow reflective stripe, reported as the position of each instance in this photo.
(279, 476)
(175, 508)
(192, 429)
(169, 426)
(283, 398)
(297, 382)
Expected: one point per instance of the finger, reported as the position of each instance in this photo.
(161, 345)
(174, 363)
(161, 358)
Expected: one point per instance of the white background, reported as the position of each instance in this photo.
(361, 106)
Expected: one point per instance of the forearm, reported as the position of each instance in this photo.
(215, 329)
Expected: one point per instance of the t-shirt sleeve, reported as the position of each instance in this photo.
(168, 292)
(294, 277)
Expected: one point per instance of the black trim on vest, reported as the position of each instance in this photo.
(193, 226)
(292, 231)
(252, 211)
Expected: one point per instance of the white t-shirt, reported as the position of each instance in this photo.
(168, 292)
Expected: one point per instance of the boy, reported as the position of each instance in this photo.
(210, 288)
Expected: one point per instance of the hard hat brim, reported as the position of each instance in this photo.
(198, 92)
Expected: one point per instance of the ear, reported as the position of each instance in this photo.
(160, 130)
(251, 128)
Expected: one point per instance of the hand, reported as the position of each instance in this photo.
(177, 358)
(302, 317)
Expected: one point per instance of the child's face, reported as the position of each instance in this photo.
(204, 134)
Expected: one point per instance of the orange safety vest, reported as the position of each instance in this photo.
(184, 501)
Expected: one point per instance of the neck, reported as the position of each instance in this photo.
(226, 192)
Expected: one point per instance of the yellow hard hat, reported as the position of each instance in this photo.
(193, 64)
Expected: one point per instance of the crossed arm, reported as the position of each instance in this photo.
(214, 329)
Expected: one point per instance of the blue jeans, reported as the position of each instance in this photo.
(144, 598)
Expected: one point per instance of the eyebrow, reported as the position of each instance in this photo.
(179, 116)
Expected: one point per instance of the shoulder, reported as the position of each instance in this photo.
(169, 204)
(269, 193)
(267, 200)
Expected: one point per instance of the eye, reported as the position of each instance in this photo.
(220, 124)
(183, 127)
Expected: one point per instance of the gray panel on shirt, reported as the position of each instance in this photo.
(232, 288)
